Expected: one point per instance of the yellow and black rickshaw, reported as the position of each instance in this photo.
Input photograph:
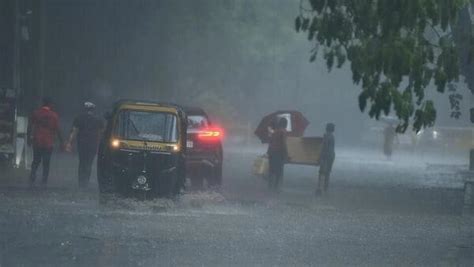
(142, 149)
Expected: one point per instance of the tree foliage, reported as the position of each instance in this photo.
(462, 33)
(396, 49)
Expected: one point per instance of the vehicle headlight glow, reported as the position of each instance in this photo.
(115, 143)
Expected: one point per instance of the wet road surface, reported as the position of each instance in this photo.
(404, 212)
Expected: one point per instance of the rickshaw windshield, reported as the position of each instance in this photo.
(147, 126)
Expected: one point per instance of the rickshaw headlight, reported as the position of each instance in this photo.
(115, 143)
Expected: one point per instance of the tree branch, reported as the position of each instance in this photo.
(434, 29)
(304, 9)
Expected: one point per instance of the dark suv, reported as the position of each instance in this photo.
(203, 149)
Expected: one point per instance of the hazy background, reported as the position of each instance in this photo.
(237, 59)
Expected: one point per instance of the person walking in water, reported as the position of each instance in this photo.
(277, 154)
(86, 129)
(326, 160)
(43, 127)
(389, 138)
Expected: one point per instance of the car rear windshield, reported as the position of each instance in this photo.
(147, 126)
(197, 122)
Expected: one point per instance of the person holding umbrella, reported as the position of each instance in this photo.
(273, 130)
(277, 154)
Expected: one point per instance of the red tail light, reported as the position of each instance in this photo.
(210, 134)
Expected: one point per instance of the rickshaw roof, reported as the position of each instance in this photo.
(147, 105)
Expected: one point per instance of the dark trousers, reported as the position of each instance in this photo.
(86, 158)
(325, 169)
(40, 154)
(276, 164)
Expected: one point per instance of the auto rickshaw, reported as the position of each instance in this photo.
(142, 150)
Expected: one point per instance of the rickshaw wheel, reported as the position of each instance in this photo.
(179, 186)
(171, 187)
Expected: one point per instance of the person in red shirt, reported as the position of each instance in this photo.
(43, 127)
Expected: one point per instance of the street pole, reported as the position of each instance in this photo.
(471, 98)
(16, 48)
(41, 48)
(471, 151)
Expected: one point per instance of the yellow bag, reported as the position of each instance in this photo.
(260, 166)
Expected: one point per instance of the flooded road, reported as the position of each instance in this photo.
(377, 213)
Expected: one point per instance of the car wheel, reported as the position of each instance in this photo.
(197, 182)
(179, 185)
(215, 178)
(172, 184)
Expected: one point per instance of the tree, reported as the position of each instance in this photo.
(462, 33)
(396, 50)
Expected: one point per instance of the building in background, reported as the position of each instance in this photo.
(20, 73)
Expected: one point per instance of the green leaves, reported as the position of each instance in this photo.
(298, 23)
(387, 45)
(425, 116)
(317, 5)
(301, 23)
(455, 101)
(441, 79)
(363, 101)
(305, 24)
(329, 59)
(313, 57)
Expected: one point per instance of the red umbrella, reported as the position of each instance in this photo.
(297, 124)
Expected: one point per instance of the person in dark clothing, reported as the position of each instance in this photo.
(326, 160)
(43, 127)
(389, 134)
(86, 129)
(277, 154)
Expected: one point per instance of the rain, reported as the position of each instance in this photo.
(170, 113)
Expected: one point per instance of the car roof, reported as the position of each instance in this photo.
(194, 111)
